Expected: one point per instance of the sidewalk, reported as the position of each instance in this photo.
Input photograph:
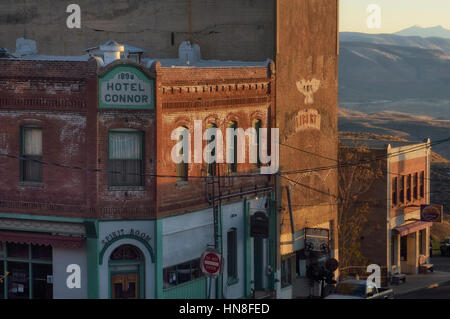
(421, 281)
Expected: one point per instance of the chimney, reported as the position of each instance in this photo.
(111, 50)
(189, 53)
(25, 47)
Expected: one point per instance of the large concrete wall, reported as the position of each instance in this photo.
(231, 29)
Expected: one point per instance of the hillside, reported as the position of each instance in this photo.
(435, 157)
(401, 125)
(436, 31)
(372, 72)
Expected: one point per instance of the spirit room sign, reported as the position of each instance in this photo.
(126, 87)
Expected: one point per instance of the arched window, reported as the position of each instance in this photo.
(232, 149)
(257, 125)
(211, 169)
(182, 168)
(127, 252)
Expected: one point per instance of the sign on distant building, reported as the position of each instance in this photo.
(431, 213)
(126, 87)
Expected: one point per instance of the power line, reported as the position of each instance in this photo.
(366, 161)
(95, 170)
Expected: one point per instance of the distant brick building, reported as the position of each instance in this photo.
(394, 236)
(88, 178)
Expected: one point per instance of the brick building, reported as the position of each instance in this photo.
(394, 236)
(301, 37)
(88, 178)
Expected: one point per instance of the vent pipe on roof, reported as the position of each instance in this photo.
(111, 51)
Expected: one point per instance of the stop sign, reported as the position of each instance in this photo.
(211, 263)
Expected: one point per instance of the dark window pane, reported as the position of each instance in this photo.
(415, 182)
(184, 273)
(18, 280)
(42, 281)
(232, 253)
(41, 252)
(32, 170)
(126, 252)
(170, 277)
(286, 275)
(196, 270)
(126, 172)
(403, 248)
(17, 250)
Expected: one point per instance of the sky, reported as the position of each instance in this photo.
(395, 15)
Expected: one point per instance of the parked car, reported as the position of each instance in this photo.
(445, 247)
(360, 289)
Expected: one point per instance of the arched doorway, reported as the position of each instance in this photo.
(126, 268)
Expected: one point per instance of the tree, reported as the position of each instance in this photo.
(358, 170)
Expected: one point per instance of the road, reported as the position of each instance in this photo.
(441, 292)
(441, 263)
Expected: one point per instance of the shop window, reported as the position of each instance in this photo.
(17, 250)
(422, 242)
(403, 248)
(286, 272)
(30, 271)
(393, 262)
(42, 281)
(408, 188)
(422, 184)
(232, 270)
(183, 154)
(300, 265)
(2, 279)
(41, 252)
(18, 280)
(394, 191)
(402, 189)
(31, 152)
(415, 182)
(232, 149)
(182, 273)
(126, 159)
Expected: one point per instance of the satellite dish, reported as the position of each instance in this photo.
(331, 264)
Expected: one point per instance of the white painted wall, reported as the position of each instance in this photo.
(106, 228)
(186, 237)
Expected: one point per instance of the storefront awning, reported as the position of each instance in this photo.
(411, 228)
(42, 239)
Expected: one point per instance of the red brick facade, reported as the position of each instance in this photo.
(61, 97)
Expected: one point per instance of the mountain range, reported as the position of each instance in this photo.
(436, 31)
(384, 69)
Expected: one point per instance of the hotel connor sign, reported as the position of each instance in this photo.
(126, 87)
